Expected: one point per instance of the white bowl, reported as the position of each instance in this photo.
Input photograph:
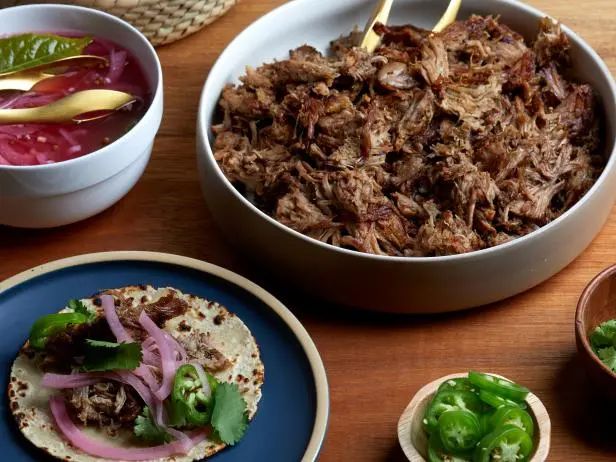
(49, 195)
(427, 284)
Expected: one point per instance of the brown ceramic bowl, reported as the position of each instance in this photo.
(597, 304)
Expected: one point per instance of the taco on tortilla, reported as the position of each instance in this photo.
(136, 373)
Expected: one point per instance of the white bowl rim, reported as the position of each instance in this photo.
(319, 374)
(203, 135)
(155, 92)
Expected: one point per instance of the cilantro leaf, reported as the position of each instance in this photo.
(608, 356)
(109, 356)
(78, 307)
(147, 430)
(229, 417)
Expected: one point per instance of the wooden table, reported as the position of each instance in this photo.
(375, 363)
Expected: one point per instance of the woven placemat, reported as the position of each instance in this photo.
(161, 21)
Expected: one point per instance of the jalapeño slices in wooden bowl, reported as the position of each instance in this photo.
(474, 417)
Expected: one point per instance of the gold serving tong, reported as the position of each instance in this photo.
(25, 80)
(69, 108)
(370, 40)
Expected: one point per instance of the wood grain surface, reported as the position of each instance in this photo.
(375, 363)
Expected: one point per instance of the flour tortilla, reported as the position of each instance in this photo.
(228, 334)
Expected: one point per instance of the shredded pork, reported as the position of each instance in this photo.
(107, 404)
(436, 144)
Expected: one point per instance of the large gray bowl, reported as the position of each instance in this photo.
(416, 285)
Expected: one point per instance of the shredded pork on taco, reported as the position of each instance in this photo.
(136, 373)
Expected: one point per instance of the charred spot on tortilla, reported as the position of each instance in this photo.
(110, 409)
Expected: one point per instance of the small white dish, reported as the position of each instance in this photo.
(414, 441)
(43, 196)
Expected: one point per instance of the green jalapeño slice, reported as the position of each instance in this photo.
(497, 401)
(450, 400)
(438, 453)
(459, 431)
(506, 444)
(192, 400)
(510, 415)
(461, 383)
(501, 387)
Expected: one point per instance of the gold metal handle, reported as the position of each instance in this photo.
(23, 81)
(450, 15)
(380, 14)
(370, 40)
(68, 108)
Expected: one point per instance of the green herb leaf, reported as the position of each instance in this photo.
(147, 430)
(26, 51)
(176, 414)
(229, 417)
(604, 335)
(109, 356)
(608, 356)
(78, 307)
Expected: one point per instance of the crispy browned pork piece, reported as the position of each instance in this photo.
(435, 144)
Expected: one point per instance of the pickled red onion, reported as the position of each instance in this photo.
(181, 438)
(112, 319)
(117, 61)
(69, 380)
(133, 381)
(122, 335)
(150, 358)
(96, 448)
(146, 374)
(166, 351)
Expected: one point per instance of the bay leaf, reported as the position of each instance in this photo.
(27, 51)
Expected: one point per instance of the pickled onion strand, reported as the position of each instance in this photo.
(113, 320)
(97, 448)
(168, 362)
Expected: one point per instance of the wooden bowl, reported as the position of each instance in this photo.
(597, 304)
(413, 438)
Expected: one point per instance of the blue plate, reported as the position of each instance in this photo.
(292, 416)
